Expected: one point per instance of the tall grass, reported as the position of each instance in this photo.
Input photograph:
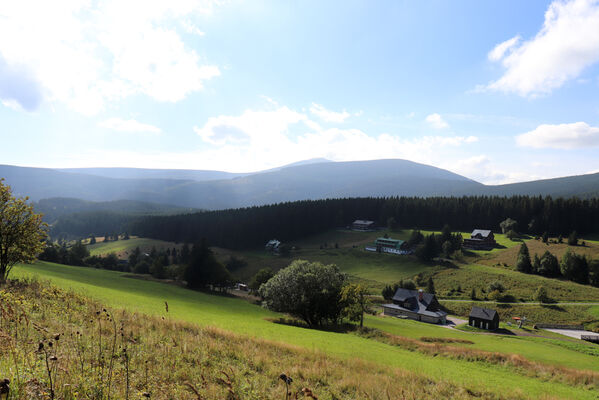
(57, 344)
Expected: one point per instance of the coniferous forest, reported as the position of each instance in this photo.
(251, 227)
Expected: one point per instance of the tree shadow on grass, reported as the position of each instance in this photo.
(553, 307)
(337, 328)
(503, 331)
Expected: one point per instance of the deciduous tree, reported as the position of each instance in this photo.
(355, 301)
(22, 232)
(307, 290)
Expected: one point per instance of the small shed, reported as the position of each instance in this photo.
(484, 318)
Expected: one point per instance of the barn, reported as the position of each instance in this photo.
(480, 239)
(483, 318)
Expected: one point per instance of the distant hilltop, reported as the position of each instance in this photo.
(310, 179)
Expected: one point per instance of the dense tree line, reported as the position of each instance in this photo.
(195, 265)
(95, 223)
(252, 227)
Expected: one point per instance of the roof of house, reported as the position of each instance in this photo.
(403, 294)
(421, 310)
(483, 313)
(416, 306)
(483, 232)
(363, 222)
(390, 240)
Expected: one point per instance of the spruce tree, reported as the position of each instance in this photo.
(536, 264)
(523, 263)
(430, 285)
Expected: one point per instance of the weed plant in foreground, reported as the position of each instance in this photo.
(56, 344)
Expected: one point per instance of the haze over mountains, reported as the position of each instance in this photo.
(312, 179)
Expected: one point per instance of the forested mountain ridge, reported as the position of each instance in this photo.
(315, 179)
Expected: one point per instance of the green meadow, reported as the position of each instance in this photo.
(123, 247)
(239, 316)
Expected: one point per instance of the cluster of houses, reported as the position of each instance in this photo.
(421, 306)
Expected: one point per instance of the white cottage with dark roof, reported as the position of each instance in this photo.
(362, 225)
(417, 305)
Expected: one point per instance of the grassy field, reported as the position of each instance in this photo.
(377, 270)
(344, 248)
(509, 256)
(92, 352)
(122, 248)
(521, 286)
(552, 314)
(578, 355)
(246, 319)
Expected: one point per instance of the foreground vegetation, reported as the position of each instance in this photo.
(484, 375)
(56, 344)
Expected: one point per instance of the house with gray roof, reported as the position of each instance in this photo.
(480, 239)
(363, 225)
(417, 305)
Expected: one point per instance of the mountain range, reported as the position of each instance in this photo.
(311, 179)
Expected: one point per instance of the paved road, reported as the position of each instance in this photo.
(532, 303)
(572, 333)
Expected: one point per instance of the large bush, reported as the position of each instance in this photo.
(307, 290)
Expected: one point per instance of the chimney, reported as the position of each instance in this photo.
(420, 295)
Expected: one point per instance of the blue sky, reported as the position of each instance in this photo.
(497, 91)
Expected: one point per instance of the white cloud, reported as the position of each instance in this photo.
(499, 51)
(258, 140)
(85, 54)
(259, 127)
(436, 121)
(129, 125)
(328, 115)
(576, 135)
(482, 169)
(561, 50)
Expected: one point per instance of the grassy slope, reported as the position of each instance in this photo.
(241, 317)
(522, 286)
(123, 247)
(585, 355)
(174, 354)
(377, 270)
(509, 256)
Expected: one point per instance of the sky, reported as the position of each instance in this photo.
(496, 91)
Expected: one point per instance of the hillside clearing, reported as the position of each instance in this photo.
(122, 248)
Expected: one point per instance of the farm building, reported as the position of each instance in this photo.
(480, 239)
(389, 243)
(483, 318)
(362, 225)
(272, 245)
(417, 305)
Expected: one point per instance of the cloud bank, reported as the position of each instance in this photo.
(86, 54)
(567, 44)
(577, 135)
(129, 125)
